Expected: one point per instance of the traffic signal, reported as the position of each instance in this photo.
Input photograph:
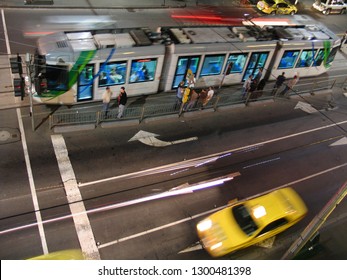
(19, 87)
(40, 85)
(40, 64)
(16, 65)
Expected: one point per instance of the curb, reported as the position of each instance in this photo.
(73, 128)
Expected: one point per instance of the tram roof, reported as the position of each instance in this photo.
(297, 29)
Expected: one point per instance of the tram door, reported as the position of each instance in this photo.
(85, 84)
(258, 59)
(184, 63)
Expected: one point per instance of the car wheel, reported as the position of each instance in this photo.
(327, 12)
(292, 13)
(273, 12)
(343, 11)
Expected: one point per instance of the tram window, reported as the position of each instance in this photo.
(85, 83)
(319, 59)
(238, 62)
(57, 77)
(305, 59)
(288, 59)
(256, 61)
(212, 65)
(112, 74)
(185, 63)
(143, 70)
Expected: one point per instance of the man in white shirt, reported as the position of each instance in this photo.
(209, 96)
(106, 100)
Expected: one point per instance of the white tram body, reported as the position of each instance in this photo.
(77, 66)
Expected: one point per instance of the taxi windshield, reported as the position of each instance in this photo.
(244, 219)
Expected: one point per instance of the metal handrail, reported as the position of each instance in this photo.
(219, 100)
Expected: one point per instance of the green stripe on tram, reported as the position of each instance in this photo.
(327, 46)
(84, 58)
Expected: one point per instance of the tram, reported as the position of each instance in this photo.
(76, 66)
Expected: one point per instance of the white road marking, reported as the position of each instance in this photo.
(81, 221)
(192, 162)
(32, 185)
(305, 107)
(160, 228)
(197, 246)
(150, 139)
(342, 141)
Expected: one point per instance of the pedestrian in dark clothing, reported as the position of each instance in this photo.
(252, 89)
(122, 100)
(279, 82)
(259, 75)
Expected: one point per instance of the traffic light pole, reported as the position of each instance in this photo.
(29, 86)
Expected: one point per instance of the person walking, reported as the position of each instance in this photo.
(290, 85)
(122, 100)
(279, 82)
(106, 100)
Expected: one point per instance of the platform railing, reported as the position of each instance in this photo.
(141, 112)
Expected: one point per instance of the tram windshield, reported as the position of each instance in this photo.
(57, 77)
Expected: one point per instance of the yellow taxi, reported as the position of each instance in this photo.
(70, 254)
(250, 221)
(280, 7)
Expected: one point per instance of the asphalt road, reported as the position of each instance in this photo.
(270, 144)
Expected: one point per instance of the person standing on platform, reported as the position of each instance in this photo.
(290, 85)
(106, 100)
(279, 82)
(194, 96)
(209, 96)
(179, 95)
(122, 101)
(246, 86)
(259, 76)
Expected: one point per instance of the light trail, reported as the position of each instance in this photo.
(173, 192)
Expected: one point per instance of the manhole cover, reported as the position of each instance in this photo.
(5, 135)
